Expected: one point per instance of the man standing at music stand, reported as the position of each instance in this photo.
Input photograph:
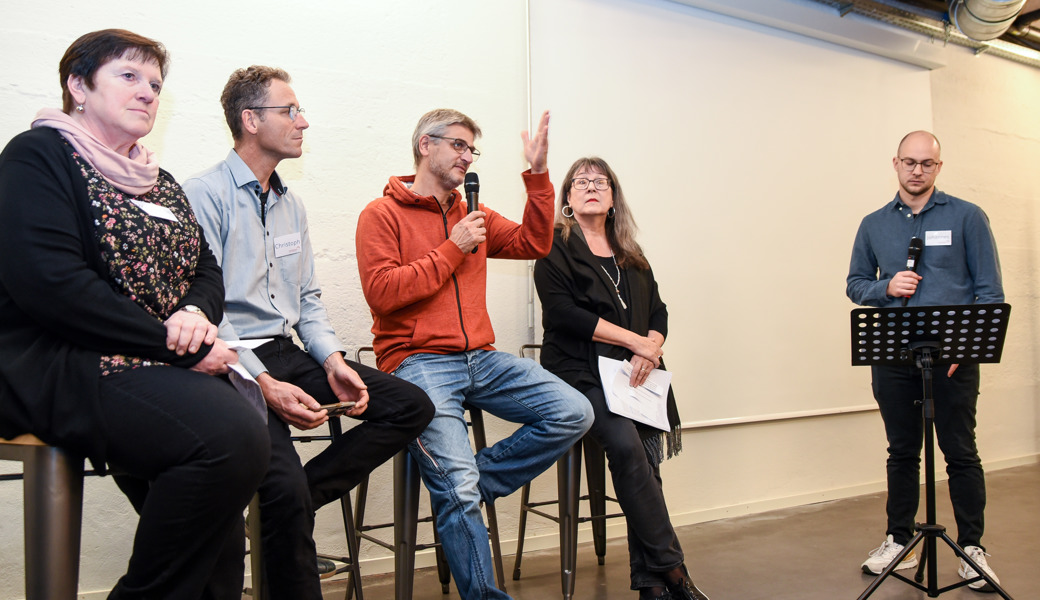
(958, 265)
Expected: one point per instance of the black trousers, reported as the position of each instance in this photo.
(290, 492)
(190, 452)
(896, 390)
(653, 547)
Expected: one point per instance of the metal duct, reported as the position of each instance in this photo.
(984, 20)
(913, 18)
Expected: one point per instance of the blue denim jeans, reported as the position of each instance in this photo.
(553, 416)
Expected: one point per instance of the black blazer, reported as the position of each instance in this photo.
(58, 312)
(575, 293)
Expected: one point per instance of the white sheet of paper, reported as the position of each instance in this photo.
(155, 210)
(243, 381)
(247, 344)
(647, 403)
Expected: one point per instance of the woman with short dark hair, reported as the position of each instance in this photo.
(107, 293)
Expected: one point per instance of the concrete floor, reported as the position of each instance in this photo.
(805, 553)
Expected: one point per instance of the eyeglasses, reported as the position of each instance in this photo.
(460, 146)
(580, 183)
(293, 110)
(927, 166)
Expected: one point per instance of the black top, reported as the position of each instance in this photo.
(59, 309)
(575, 293)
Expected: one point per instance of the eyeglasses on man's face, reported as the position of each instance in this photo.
(293, 110)
(581, 183)
(459, 145)
(927, 166)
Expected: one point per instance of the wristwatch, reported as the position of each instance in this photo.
(194, 310)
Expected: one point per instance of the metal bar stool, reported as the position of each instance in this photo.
(53, 511)
(568, 474)
(351, 563)
(406, 516)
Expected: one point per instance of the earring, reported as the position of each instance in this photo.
(79, 108)
(567, 211)
(610, 212)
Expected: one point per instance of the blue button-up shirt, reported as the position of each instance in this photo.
(959, 264)
(269, 278)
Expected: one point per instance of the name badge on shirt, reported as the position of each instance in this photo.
(287, 244)
(938, 238)
(154, 210)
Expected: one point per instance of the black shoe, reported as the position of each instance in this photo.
(684, 589)
(326, 568)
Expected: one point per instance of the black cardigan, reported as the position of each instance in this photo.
(58, 312)
(575, 293)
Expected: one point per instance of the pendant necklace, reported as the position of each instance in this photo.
(617, 290)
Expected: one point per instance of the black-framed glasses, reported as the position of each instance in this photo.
(293, 110)
(460, 146)
(581, 183)
(927, 166)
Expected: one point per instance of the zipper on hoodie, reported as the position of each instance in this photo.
(454, 279)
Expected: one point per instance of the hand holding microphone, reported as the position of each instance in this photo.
(905, 282)
(472, 187)
(469, 232)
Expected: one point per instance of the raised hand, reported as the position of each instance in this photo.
(536, 149)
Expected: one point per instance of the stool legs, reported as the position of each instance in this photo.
(359, 521)
(568, 473)
(406, 517)
(525, 497)
(476, 417)
(53, 488)
(256, 551)
(595, 476)
(354, 577)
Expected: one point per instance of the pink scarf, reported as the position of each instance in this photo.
(135, 174)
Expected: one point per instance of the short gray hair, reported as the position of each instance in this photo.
(436, 122)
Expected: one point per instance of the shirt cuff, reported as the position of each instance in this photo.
(536, 181)
(252, 364)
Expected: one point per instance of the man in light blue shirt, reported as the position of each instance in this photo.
(258, 232)
(958, 265)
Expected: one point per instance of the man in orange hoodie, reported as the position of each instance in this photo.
(423, 262)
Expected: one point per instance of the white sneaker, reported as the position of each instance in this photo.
(966, 572)
(881, 556)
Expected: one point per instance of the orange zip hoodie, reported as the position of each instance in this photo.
(424, 293)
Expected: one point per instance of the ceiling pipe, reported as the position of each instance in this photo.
(912, 18)
(984, 20)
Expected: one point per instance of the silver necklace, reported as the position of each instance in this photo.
(617, 290)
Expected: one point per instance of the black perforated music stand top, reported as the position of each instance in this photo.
(971, 333)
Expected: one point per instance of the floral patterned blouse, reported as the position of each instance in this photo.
(150, 259)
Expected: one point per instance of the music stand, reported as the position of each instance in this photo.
(926, 336)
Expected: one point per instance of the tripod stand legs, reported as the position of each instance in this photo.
(928, 533)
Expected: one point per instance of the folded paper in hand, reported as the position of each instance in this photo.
(243, 381)
(647, 403)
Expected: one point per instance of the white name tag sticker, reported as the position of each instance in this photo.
(938, 238)
(286, 245)
(154, 210)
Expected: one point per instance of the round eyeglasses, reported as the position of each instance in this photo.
(293, 110)
(460, 146)
(581, 183)
(927, 166)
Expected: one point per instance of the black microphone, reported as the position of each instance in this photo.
(913, 258)
(472, 188)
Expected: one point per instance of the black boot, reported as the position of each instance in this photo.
(684, 589)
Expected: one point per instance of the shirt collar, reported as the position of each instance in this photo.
(937, 198)
(243, 176)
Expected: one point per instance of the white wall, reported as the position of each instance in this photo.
(700, 115)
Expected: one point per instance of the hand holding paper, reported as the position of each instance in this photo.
(646, 403)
